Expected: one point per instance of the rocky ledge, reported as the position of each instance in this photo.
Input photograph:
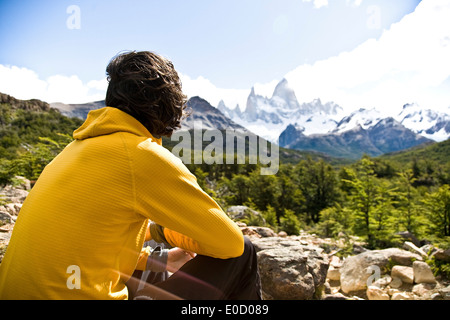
(306, 266)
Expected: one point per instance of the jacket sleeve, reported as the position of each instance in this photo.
(169, 195)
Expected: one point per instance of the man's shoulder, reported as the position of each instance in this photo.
(150, 151)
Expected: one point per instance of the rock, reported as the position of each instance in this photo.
(443, 255)
(409, 237)
(249, 231)
(406, 274)
(13, 195)
(357, 249)
(399, 256)
(333, 273)
(241, 224)
(335, 261)
(413, 248)
(402, 296)
(355, 270)
(436, 296)
(335, 296)
(423, 273)
(22, 183)
(244, 212)
(428, 249)
(424, 290)
(13, 208)
(274, 242)
(288, 270)
(282, 234)
(383, 281)
(396, 283)
(258, 231)
(5, 217)
(375, 293)
(265, 232)
(445, 293)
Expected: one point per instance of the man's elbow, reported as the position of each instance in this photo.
(234, 247)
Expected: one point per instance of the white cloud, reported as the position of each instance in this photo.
(318, 3)
(353, 3)
(408, 63)
(23, 83)
(203, 88)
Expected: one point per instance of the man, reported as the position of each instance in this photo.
(81, 230)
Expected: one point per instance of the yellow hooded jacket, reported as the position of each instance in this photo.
(80, 232)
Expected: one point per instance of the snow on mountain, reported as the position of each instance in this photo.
(428, 123)
(362, 117)
(268, 117)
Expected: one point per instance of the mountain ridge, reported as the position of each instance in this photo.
(387, 135)
(315, 126)
(269, 117)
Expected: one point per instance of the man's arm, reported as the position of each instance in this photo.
(169, 195)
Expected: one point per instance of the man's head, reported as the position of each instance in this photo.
(146, 86)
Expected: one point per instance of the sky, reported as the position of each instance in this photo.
(358, 53)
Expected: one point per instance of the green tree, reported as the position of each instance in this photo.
(383, 219)
(290, 223)
(318, 183)
(270, 215)
(409, 206)
(363, 197)
(335, 220)
(264, 190)
(438, 205)
(289, 195)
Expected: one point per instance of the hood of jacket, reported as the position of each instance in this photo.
(110, 120)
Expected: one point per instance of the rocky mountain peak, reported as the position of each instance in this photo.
(284, 94)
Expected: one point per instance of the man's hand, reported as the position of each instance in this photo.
(177, 258)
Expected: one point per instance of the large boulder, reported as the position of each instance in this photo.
(290, 270)
(404, 273)
(423, 273)
(400, 256)
(356, 270)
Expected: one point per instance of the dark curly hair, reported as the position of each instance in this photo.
(147, 87)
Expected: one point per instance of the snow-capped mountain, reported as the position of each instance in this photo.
(324, 127)
(268, 117)
(366, 118)
(386, 135)
(428, 123)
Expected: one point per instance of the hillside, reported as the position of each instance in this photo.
(31, 134)
(23, 122)
(437, 152)
(28, 105)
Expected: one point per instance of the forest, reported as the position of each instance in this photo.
(372, 198)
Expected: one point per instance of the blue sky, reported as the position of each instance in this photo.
(225, 47)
